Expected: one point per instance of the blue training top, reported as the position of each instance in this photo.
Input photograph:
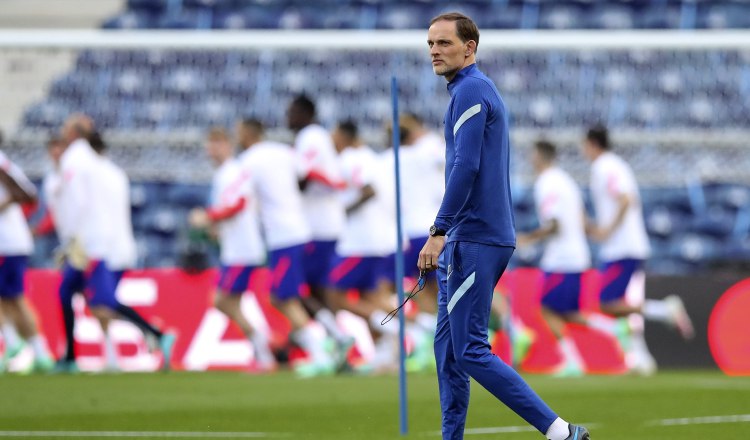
(477, 202)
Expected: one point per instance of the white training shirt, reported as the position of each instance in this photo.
(239, 236)
(52, 190)
(317, 157)
(611, 177)
(15, 235)
(371, 229)
(273, 167)
(84, 200)
(122, 250)
(558, 198)
(422, 183)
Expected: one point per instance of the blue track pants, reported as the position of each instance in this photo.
(467, 274)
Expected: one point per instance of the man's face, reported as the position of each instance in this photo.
(537, 161)
(218, 150)
(589, 149)
(340, 140)
(55, 151)
(295, 118)
(447, 51)
(242, 135)
(67, 132)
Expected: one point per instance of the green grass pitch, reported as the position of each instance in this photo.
(215, 405)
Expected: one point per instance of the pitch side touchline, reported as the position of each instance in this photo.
(138, 434)
(501, 430)
(741, 418)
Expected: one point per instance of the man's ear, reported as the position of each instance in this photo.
(471, 48)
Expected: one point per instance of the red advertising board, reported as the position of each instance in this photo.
(182, 303)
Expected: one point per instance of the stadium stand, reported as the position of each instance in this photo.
(141, 98)
(410, 14)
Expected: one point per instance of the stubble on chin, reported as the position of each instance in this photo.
(443, 71)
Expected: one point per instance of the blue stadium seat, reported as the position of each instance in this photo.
(351, 17)
(187, 19)
(562, 15)
(188, 195)
(403, 16)
(162, 220)
(48, 115)
(501, 15)
(151, 5)
(250, 17)
(663, 223)
(149, 194)
(304, 17)
(728, 196)
(658, 15)
(695, 249)
(716, 222)
(211, 4)
(609, 15)
(738, 250)
(724, 15)
(132, 20)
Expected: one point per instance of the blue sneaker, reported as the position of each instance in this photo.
(341, 353)
(421, 359)
(43, 365)
(622, 333)
(65, 367)
(166, 344)
(578, 433)
(11, 352)
(306, 370)
(569, 369)
(522, 341)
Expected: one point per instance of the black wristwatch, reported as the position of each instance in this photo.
(436, 232)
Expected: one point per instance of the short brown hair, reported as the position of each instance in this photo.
(465, 26)
(599, 135)
(218, 134)
(253, 124)
(546, 149)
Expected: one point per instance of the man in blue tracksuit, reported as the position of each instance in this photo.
(473, 238)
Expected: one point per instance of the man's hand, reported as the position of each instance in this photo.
(599, 234)
(428, 256)
(198, 218)
(523, 240)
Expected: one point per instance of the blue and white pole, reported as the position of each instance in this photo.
(402, 399)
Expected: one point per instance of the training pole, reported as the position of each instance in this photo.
(402, 402)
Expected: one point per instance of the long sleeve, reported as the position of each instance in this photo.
(75, 200)
(469, 115)
(225, 212)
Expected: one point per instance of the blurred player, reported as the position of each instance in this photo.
(272, 167)
(234, 211)
(620, 229)
(15, 246)
(422, 159)
(368, 240)
(320, 181)
(559, 205)
(122, 253)
(51, 188)
(87, 235)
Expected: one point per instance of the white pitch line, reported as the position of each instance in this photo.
(499, 430)
(741, 418)
(138, 434)
(489, 430)
(502, 430)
